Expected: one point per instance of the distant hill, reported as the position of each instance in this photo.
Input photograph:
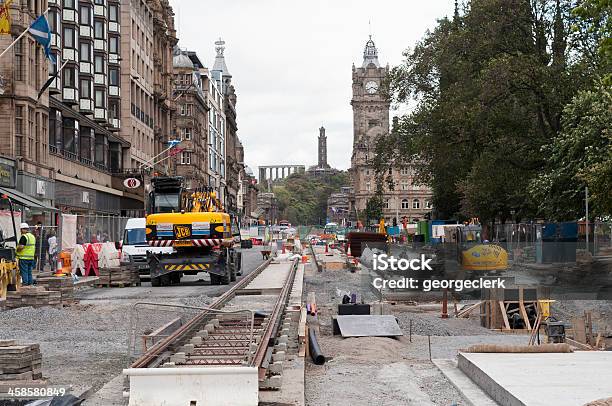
(302, 197)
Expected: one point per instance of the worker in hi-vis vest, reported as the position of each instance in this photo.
(26, 250)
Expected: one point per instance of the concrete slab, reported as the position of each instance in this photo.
(214, 386)
(367, 326)
(560, 379)
(470, 391)
(269, 281)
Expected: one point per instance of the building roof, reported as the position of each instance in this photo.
(220, 59)
(182, 61)
(370, 54)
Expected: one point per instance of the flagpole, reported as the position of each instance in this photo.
(19, 37)
(151, 162)
(14, 42)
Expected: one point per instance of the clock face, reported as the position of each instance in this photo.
(371, 87)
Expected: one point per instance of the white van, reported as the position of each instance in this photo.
(134, 246)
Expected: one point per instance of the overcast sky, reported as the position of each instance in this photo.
(291, 64)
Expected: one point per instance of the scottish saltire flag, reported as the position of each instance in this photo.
(41, 31)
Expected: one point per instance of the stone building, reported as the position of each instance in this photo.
(144, 70)
(234, 153)
(338, 207)
(370, 121)
(25, 164)
(191, 119)
(76, 145)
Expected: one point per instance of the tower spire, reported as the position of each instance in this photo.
(370, 54)
(220, 58)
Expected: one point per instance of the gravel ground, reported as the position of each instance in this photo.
(86, 345)
(386, 371)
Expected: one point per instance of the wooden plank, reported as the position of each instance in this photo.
(466, 311)
(302, 339)
(504, 315)
(578, 345)
(579, 330)
(524, 315)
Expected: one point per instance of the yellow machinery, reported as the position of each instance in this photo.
(9, 274)
(195, 224)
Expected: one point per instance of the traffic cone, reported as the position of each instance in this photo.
(348, 250)
(60, 267)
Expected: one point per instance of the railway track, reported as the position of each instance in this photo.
(223, 338)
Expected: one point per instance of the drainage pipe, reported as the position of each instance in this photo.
(315, 351)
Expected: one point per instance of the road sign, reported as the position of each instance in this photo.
(131, 183)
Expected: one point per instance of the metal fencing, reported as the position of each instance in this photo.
(99, 228)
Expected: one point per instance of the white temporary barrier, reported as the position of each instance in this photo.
(77, 258)
(210, 386)
(108, 257)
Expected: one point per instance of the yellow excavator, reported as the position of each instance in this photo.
(195, 224)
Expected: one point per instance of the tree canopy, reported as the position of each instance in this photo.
(302, 197)
(496, 90)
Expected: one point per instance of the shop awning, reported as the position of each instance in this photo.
(25, 200)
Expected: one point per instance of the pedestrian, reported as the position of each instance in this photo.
(26, 251)
(52, 242)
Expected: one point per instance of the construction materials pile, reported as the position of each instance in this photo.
(62, 284)
(19, 362)
(32, 296)
(118, 277)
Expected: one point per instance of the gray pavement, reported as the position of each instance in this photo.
(190, 286)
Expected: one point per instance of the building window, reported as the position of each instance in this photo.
(113, 76)
(186, 158)
(70, 4)
(100, 99)
(19, 120)
(405, 204)
(53, 19)
(85, 52)
(99, 64)
(405, 171)
(85, 89)
(98, 29)
(113, 45)
(405, 185)
(113, 13)
(19, 62)
(386, 204)
(186, 133)
(416, 204)
(69, 37)
(85, 15)
(368, 186)
(113, 108)
(428, 204)
(390, 171)
(69, 77)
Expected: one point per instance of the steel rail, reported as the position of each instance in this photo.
(157, 350)
(274, 321)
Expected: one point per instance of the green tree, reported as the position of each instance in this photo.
(580, 156)
(373, 210)
(490, 88)
(302, 197)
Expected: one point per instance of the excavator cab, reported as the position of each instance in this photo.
(194, 223)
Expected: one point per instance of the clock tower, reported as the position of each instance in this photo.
(370, 120)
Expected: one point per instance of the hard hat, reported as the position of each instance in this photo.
(24, 226)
